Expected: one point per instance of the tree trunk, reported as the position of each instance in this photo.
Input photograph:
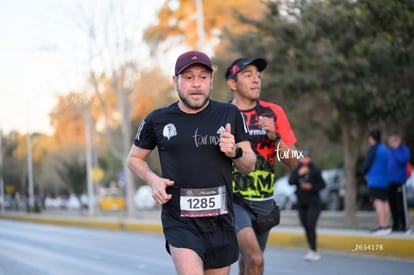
(350, 157)
(124, 107)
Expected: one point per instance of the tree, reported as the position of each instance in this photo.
(66, 119)
(69, 164)
(177, 22)
(112, 44)
(177, 27)
(14, 162)
(354, 56)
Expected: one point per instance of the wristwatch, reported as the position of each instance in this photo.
(277, 138)
(239, 153)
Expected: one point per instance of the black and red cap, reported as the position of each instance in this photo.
(241, 63)
(190, 58)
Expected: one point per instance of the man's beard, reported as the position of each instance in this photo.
(194, 106)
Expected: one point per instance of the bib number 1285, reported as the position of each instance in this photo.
(203, 202)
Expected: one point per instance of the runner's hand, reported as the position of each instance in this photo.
(267, 124)
(159, 193)
(227, 143)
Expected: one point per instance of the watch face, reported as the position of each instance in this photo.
(239, 153)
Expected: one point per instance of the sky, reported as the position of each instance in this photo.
(43, 52)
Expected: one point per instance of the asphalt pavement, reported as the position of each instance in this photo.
(332, 232)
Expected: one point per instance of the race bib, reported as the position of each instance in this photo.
(203, 202)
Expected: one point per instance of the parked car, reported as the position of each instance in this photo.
(284, 194)
(73, 203)
(143, 198)
(112, 201)
(331, 195)
(54, 202)
(8, 202)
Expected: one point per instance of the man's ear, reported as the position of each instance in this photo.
(231, 83)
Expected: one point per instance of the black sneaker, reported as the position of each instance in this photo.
(375, 229)
(400, 230)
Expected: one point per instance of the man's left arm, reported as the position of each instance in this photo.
(247, 162)
(241, 152)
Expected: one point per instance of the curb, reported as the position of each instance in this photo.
(111, 225)
(344, 242)
(390, 246)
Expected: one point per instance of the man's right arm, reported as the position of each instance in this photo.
(287, 139)
(137, 163)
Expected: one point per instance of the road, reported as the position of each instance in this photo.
(42, 249)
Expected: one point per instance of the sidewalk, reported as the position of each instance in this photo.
(331, 236)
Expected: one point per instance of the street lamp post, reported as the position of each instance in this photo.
(1, 173)
(29, 162)
(88, 152)
(30, 171)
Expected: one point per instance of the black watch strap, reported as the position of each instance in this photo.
(239, 153)
(277, 139)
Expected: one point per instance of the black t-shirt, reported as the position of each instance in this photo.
(188, 145)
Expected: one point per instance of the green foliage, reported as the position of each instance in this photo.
(339, 67)
(71, 167)
(110, 165)
(355, 56)
(12, 171)
(14, 164)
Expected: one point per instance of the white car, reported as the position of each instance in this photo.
(143, 198)
(284, 194)
(73, 203)
(54, 203)
(332, 194)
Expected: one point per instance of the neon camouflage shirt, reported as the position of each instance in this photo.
(259, 184)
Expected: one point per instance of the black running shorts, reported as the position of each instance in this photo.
(217, 249)
(244, 218)
(378, 193)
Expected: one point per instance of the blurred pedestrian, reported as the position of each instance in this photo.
(198, 140)
(397, 172)
(309, 182)
(272, 138)
(16, 200)
(375, 170)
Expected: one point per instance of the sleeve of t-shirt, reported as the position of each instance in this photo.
(145, 137)
(319, 183)
(241, 131)
(401, 155)
(293, 178)
(283, 127)
(369, 160)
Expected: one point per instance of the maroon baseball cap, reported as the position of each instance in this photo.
(190, 58)
(241, 63)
